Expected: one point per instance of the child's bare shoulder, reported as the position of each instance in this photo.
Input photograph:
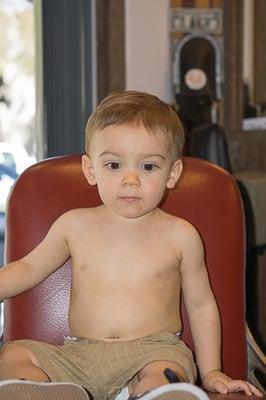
(181, 228)
(78, 216)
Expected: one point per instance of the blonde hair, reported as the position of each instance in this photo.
(137, 109)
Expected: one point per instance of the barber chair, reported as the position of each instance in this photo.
(206, 195)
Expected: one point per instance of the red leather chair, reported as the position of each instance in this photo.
(206, 195)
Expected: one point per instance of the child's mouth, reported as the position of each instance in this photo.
(129, 199)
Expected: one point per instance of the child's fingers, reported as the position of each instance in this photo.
(221, 387)
(247, 388)
(217, 381)
(256, 391)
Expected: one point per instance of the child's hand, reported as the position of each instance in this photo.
(216, 381)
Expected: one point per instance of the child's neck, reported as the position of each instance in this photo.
(142, 219)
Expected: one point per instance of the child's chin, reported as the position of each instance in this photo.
(131, 213)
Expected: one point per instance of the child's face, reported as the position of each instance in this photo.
(132, 168)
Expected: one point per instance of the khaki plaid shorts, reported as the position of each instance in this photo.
(105, 368)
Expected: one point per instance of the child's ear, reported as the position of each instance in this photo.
(87, 169)
(174, 173)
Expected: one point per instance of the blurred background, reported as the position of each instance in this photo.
(17, 97)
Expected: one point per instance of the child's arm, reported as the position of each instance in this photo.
(30, 270)
(204, 319)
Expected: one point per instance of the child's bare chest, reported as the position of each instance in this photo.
(127, 256)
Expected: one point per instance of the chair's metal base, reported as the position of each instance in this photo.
(256, 363)
(1, 322)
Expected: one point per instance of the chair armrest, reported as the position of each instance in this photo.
(233, 396)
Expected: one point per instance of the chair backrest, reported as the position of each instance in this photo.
(206, 195)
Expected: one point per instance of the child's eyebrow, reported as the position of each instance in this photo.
(148, 155)
(154, 155)
(109, 153)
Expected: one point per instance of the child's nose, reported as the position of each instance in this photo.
(131, 178)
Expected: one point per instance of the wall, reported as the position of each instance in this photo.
(148, 55)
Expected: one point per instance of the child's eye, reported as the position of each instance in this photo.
(113, 165)
(150, 167)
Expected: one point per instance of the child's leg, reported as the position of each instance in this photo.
(152, 376)
(18, 362)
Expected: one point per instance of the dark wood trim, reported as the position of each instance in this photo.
(233, 62)
(110, 46)
(259, 51)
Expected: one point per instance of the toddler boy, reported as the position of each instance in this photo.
(129, 261)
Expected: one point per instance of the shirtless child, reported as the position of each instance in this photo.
(129, 260)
